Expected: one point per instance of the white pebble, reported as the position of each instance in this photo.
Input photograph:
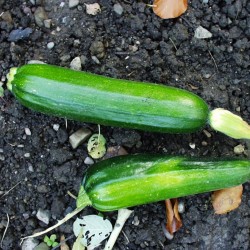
(73, 3)
(56, 127)
(202, 33)
(89, 161)
(76, 63)
(239, 149)
(79, 137)
(181, 207)
(27, 131)
(29, 244)
(118, 9)
(192, 145)
(50, 45)
(27, 155)
(43, 215)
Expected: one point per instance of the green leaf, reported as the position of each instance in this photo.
(52, 237)
(46, 239)
(55, 244)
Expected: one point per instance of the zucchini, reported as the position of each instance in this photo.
(98, 99)
(132, 180)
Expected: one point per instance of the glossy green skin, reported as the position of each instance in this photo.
(133, 180)
(97, 99)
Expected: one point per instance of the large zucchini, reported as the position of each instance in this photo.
(132, 180)
(93, 98)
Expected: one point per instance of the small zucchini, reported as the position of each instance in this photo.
(127, 181)
(98, 99)
(132, 180)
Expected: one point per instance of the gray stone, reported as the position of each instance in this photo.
(29, 244)
(73, 3)
(43, 215)
(202, 33)
(118, 9)
(79, 137)
(76, 63)
(40, 16)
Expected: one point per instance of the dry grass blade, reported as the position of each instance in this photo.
(169, 8)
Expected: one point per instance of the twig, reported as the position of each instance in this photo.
(4, 233)
(10, 189)
(216, 66)
(173, 44)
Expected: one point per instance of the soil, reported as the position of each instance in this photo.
(37, 170)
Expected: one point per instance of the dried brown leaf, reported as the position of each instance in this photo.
(64, 246)
(169, 8)
(174, 222)
(226, 200)
(115, 151)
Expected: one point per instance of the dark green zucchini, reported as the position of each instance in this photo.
(97, 99)
(133, 180)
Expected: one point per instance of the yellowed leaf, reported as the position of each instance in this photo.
(174, 222)
(226, 200)
(64, 246)
(169, 8)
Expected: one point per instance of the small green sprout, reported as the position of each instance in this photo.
(51, 241)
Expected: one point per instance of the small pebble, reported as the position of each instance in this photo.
(76, 64)
(202, 33)
(42, 246)
(26, 216)
(56, 127)
(40, 15)
(95, 59)
(192, 145)
(27, 155)
(207, 133)
(27, 131)
(204, 143)
(89, 161)
(47, 23)
(136, 221)
(31, 169)
(238, 109)
(50, 45)
(239, 149)
(43, 215)
(29, 244)
(78, 137)
(181, 207)
(73, 3)
(118, 9)
(19, 34)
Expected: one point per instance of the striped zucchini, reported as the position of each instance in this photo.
(98, 99)
(132, 180)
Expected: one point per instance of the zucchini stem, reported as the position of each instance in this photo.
(228, 123)
(59, 223)
(82, 202)
(10, 77)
